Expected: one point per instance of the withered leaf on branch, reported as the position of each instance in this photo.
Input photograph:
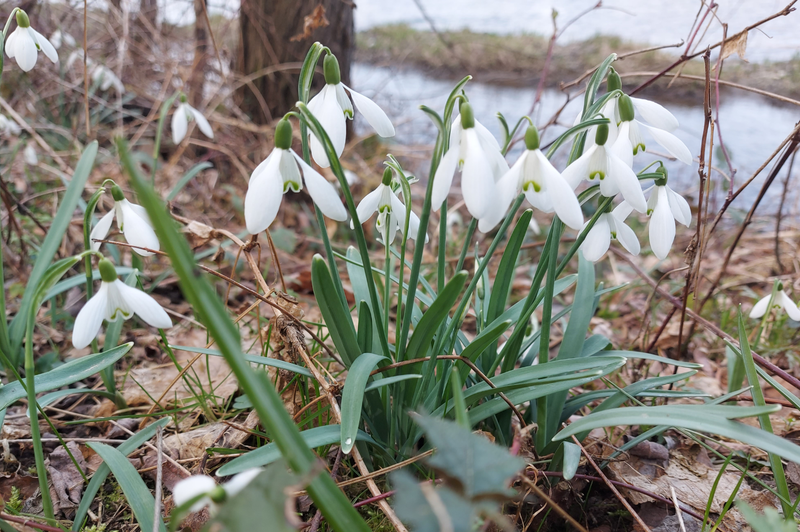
(316, 19)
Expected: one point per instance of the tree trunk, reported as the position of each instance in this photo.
(276, 32)
(201, 47)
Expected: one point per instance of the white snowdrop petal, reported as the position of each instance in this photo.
(597, 241)
(627, 238)
(144, 306)
(373, 113)
(263, 198)
(578, 171)
(622, 211)
(180, 124)
(443, 178)
(90, 318)
(11, 43)
(760, 308)
(368, 205)
(343, 100)
(789, 306)
(331, 118)
(562, 197)
(322, 192)
(202, 122)
(622, 146)
(477, 183)
(662, 226)
(655, 115)
(137, 230)
(628, 183)
(240, 481)
(189, 488)
(672, 144)
(48, 49)
(101, 229)
(680, 207)
(26, 53)
(117, 306)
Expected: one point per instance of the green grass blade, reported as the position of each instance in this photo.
(51, 244)
(126, 448)
(196, 169)
(353, 397)
(208, 308)
(69, 373)
(264, 361)
(501, 287)
(426, 328)
(316, 437)
(137, 494)
(334, 312)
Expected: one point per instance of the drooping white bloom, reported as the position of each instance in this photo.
(332, 107)
(665, 207)
(543, 185)
(279, 173)
(629, 131)
(29, 155)
(606, 164)
(391, 211)
(115, 300)
(781, 301)
(106, 78)
(9, 127)
(24, 44)
(132, 221)
(180, 121)
(206, 488)
(58, 37)
(477, 153)
(609, 225)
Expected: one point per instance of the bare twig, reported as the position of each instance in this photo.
(159, 472)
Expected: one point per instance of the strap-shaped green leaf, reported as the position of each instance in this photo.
(264, 361)
(353, 397)
(334, 312)
(64, 375)
(501, 287)
(137, 494)
(420, 341)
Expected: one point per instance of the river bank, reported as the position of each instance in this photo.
(518, 60)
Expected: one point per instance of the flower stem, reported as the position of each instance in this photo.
(387, 284)
(8, 22)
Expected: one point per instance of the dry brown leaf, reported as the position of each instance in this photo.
(199, 234)
(735, 45)
(311, 22)
(66, 481)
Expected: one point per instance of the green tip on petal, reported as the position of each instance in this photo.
(387, 176)
(330, 67)
(107, 271)
(601, 136)
(22, 19)
(283, 134)
(532, 138)
(625, 108)
(467, 116)
(116, 193)
(613, 82)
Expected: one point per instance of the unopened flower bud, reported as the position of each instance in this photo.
(330, 67)
(532, 138)
(283, 134)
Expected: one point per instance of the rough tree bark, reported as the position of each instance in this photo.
(275, 32)
(201, 48)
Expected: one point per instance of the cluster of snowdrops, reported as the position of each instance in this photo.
(488, 186)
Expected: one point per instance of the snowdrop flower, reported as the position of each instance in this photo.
(629, 135)
(665, 207)
(132, 221)
(206, 491)
(113, 300)
(181, 118)
(781, 301)
(105, 77)
(608, 226)
(476, 152)
(544, 187)
(29, 155)
(24, 44)
(58, 37)
(279, 173)
(391, 211)
(604, 164)
(8, 127)
(332, 108)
